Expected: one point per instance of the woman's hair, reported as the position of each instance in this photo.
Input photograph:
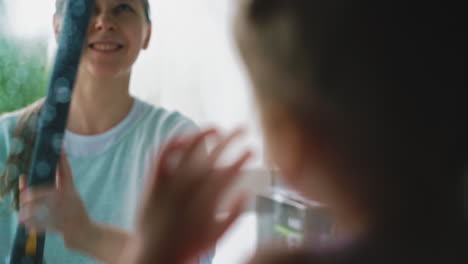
(19, 158)
(386, 76)
(60, 8)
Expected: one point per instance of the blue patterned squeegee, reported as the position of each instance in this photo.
(28, 247)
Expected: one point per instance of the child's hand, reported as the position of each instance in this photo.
(275, 255)
(58, 208)
(177, 221)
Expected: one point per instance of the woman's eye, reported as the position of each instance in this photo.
(124, 7)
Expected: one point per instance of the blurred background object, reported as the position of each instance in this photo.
(292, 221)
(23, 66)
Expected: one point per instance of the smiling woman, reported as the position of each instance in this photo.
(191, 67)
(110, 139)
(119, 30)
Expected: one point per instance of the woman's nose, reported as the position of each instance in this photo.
(104, 22)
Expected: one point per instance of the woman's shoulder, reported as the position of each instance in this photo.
(165, 122)
(8, 120)
(8, 123)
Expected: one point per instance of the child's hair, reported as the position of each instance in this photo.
(60, 8)
(385, 75)
(19, 158)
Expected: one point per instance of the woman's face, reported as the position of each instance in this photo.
(118, 30)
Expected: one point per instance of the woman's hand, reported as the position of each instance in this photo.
(58, 208)
(177, 220)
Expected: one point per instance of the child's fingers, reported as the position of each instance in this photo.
(192, 169)
(163, 159)
(203, 173)
(195, 143)
(236, 210)
(236, 166)
(163, 169)
(220, 183)
(214, 186)
(218, 150)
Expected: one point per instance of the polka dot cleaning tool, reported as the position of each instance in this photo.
(28, 246)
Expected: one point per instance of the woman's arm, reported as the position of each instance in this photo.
(99, 241)
(60, 208)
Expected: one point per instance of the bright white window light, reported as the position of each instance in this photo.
(29, 18)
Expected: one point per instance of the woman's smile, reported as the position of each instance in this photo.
(105, 47)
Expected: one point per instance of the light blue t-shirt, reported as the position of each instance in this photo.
(108, 170)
